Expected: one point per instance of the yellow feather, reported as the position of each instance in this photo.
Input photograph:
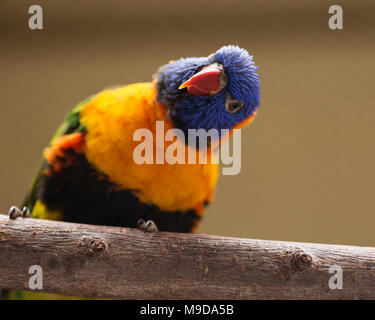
(111, 119)
(40, 212)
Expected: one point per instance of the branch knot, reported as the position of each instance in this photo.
(92, 246)
(301, 261)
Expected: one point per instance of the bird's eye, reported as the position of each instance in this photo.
(232, 106)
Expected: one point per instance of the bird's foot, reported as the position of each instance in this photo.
(147, 226)
(15, 212)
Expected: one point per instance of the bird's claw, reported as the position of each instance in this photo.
(147, 226)
(15, 212)
(26, 212)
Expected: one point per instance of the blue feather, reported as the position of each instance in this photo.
(207, 112)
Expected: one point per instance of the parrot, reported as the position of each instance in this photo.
(88, 174)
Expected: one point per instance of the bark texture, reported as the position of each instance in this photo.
(122, 263)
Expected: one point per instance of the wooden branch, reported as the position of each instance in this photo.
(123, 263)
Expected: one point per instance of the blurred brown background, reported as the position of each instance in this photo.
(308, 159)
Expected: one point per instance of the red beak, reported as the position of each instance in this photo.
(206, 82)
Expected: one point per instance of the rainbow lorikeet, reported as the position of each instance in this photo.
(88, 174)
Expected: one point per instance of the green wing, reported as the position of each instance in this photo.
(71, 124)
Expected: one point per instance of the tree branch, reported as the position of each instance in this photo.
(110, 262)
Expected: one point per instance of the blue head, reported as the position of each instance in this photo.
(218, 91)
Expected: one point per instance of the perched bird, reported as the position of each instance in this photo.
(88, 174)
